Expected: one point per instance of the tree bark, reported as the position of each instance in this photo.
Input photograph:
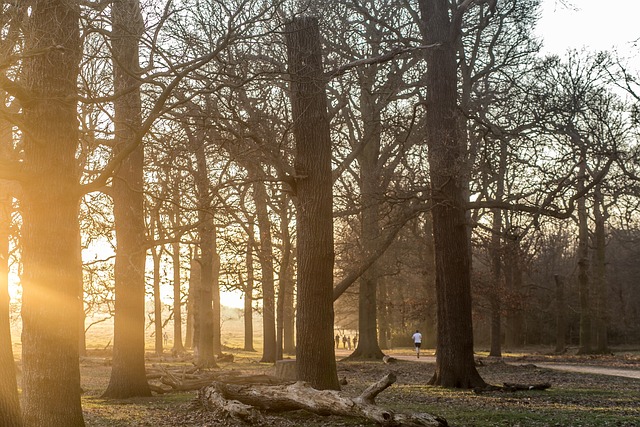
(313, 186)
(455, 365)
(52, 271)
(128, 377)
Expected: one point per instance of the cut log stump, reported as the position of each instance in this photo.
(300, 395)
(286, 370)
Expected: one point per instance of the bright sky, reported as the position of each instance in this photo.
(593, 24)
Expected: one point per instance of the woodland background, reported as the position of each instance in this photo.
(379, 154)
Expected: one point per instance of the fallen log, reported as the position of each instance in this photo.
(299, 395)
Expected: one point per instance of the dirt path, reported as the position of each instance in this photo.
(585, 369)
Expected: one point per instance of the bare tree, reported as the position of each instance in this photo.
(315, 354)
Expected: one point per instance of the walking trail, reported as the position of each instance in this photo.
(585, 369)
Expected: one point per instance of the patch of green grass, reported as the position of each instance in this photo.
(559, 407)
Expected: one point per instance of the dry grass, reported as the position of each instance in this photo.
(573, 400)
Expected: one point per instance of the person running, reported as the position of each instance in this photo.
(417, 342)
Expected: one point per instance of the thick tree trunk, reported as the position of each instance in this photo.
(455, 365)
(313, 186)
(248, 293)
(128, 377)
(52, 272)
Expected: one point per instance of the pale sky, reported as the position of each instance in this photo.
(592, 24)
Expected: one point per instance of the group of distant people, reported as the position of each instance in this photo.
(346, 341)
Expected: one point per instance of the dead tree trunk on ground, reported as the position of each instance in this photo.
(241, 402)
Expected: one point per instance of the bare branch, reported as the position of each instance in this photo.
(386, 57)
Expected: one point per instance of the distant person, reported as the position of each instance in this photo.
(344, 341)
(349, 342)
(417, 342)
(166, 338)
(337, 340)
(355, 342)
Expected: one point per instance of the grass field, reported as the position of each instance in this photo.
(575, 399)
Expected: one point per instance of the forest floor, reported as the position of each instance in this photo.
(600, 397)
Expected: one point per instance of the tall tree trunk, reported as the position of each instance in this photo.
(207, 235)
(215, 300)
(496, 254)
(266, 263)
(583, 262)
(455, 365)
(204, 317)
(52, 270)
(429, 339)
(248, 293)
(368, 347)
(191, 338)
(157, 302)
(289, 341)
(384, 330)
(315, 354)
(9, 404)
(128, 376)
(599, 273)
(514, 330)
(284, 281)
(561, 316)
(178, 347)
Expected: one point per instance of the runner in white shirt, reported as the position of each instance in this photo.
(417, 341)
